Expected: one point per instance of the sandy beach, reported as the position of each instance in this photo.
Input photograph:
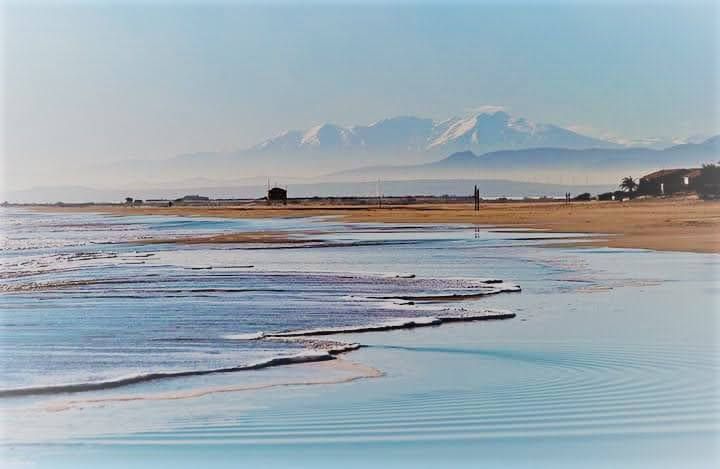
(679, 224)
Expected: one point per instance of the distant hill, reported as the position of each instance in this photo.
(546, 162)
(515, 173)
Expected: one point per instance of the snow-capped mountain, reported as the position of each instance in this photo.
(481, 132)
(403, 134)
(399, 141)
(500, 131)
(397, 133)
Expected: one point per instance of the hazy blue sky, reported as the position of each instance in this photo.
(145, 80)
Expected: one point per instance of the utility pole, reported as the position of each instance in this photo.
(377, 192)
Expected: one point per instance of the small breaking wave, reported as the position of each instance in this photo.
(58, 284)
(358, 371)
(455, 296)
(402, 323)
(316, 350)
(306, 356)
(248, 336)
(421, 297)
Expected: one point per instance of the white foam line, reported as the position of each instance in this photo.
(248, 336)
(500, 288)
(385, 275)
(402, 323)
(302, 357)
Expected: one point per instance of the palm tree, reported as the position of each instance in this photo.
(708, 183)
(628, 184)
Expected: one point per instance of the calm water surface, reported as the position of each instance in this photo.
(611, 361)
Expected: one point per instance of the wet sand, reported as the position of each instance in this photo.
(351, 372)
(660, 224)
(264, 237)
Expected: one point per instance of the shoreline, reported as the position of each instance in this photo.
(528, 379)
(361, 372)
(250, 237)
(677, 224)
(314, 350)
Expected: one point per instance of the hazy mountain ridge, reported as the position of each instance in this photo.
(529, 172)
(329, 147)
(546, 162)
(511, 147)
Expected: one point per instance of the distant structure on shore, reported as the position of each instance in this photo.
(195, 198)
(669, 181)
(277, 195)
(130, 202)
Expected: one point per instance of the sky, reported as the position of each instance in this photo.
(90, 83)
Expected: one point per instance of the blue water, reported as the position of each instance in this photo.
(611, 361)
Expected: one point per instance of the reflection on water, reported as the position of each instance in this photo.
(610, 351)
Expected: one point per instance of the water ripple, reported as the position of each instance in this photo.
(598, 390)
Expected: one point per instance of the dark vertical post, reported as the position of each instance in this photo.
(377, 192)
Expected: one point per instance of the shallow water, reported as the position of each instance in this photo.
(611, 361)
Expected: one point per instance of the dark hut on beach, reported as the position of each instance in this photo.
(669, 181)
(277, 195)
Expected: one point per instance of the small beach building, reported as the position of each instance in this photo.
(277, 195)
(193, 199)
(669, 181)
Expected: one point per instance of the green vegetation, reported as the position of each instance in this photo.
(628, 184)
(708, 183)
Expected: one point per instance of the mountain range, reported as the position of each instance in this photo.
(481, 132)
(485, 145)
(329, 148)
(559, 165)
